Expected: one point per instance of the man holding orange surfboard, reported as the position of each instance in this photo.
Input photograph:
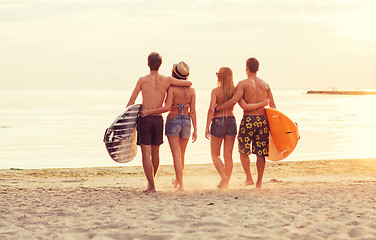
(254, 127)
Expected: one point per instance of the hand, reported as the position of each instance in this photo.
(194, 136)
(207, 133)
(144, 113)
(266, 102)
(215, 108)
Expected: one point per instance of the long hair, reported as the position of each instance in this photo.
(226, 82)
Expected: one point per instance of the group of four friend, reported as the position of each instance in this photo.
(252, 94)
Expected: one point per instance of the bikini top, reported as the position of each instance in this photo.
(182, 106)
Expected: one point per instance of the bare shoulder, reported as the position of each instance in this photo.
(192, 90)
(164, 81)
(142, 81)
(243, 83)
(167, 79)
(263, 83)
(189, 89)
(145, 78)
(216, 91)
(170, 81)
(142, 78)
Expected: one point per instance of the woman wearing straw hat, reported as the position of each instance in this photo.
(221, 125)
(181, 102)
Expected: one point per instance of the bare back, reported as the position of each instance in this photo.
(220, 99)
(153, 89)
(182, 95)
(255, 90)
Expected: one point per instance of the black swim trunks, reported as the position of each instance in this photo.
(150, 130)
(255, 130)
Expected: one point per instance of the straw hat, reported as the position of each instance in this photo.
(181, 69)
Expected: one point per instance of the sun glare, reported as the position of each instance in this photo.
(357, 21)
(362, 126)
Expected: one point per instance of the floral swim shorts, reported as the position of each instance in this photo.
(255, 130)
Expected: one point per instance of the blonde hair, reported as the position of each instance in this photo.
(225, 82)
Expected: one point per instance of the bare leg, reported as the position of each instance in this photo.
(246, 163)
(215, 147)
(174, 142)
(260, 170)
(183, 147)
(148, 167)
(155, 158)
(228, 147)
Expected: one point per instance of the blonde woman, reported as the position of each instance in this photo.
(181, 102)
(221, 125)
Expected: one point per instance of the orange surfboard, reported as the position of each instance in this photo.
(283, 136)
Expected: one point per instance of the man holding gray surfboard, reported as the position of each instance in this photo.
(153, 88)
(253, 134)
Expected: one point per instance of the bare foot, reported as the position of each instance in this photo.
(258, 184)
(150, 189)
(180, 189)
(223, 183)
(175, 183)
(248, 182)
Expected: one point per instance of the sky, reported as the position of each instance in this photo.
(104, 44)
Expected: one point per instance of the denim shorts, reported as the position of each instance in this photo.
(222, 126)
(178, 125)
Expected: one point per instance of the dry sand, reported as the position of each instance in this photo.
(299, 200)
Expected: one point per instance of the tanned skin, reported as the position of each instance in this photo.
(153, 88)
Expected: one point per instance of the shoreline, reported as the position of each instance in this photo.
(128, 171)
(338, 92)
(326, 199)
(197, 177)
(125, 165)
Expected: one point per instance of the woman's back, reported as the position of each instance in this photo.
(220, 99)
(181, 100)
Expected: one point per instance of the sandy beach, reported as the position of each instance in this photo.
(299, 200)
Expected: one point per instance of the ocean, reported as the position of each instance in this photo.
(64, 129)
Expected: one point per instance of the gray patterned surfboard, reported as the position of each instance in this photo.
(120, 138)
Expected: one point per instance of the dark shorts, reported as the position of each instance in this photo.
(178, 125)
(150, 130)
(255, 130)
(221, 126)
